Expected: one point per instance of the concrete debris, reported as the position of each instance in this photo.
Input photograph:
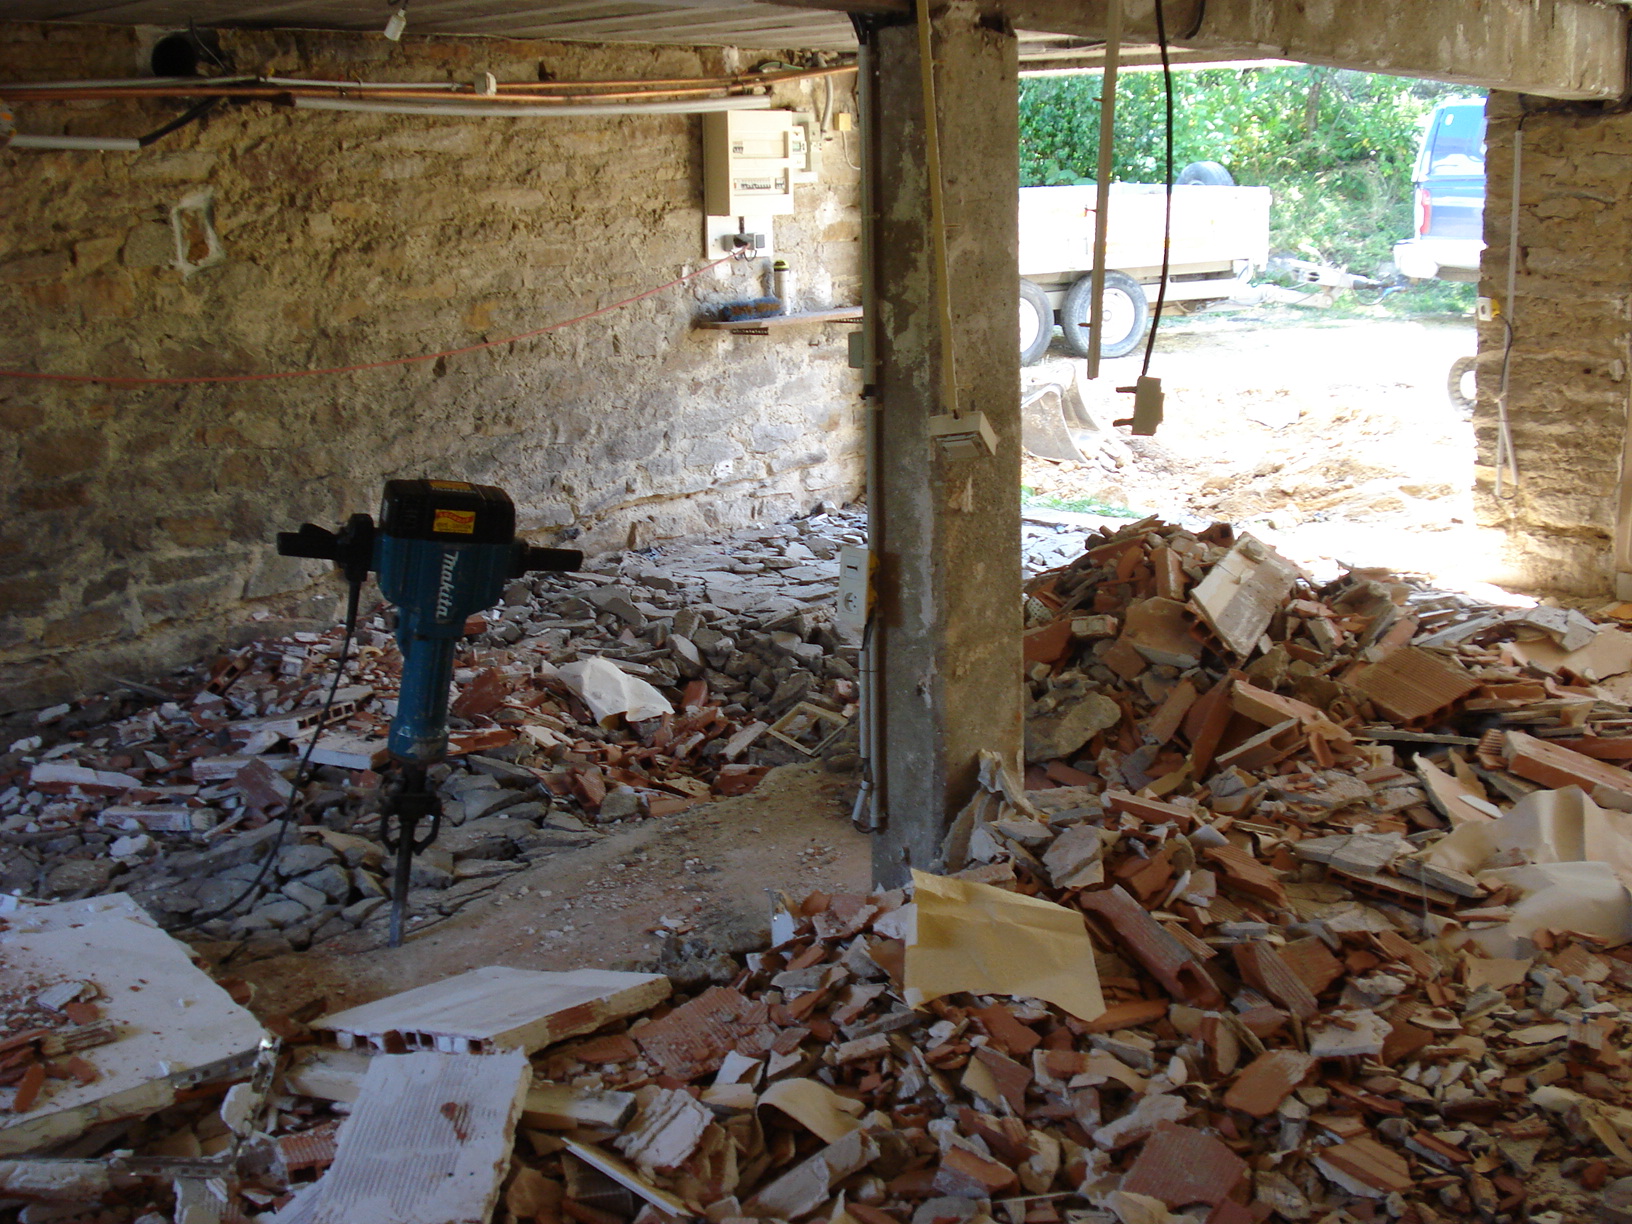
(428, 1143)
(655, 681)
(1333, 985)
(141, 1026)
(494, 1008)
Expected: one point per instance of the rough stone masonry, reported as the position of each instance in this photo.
(1572, 323)
(136, 523)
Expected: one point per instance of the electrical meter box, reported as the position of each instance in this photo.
(749, 162)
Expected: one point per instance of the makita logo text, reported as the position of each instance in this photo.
(444, 589)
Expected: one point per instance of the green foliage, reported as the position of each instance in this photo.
(1076, 505)
(1336, 147)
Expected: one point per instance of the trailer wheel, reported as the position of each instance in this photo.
(1463, 386)
(1205, 174)
(1127, 313)
(1036, 323)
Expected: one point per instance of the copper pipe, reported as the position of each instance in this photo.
(513, 91)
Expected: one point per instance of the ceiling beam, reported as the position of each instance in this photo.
(1555, 48)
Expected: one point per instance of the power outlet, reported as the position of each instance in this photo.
(855, 586)
(1487, 309)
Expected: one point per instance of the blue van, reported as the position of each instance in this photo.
(1450, 196)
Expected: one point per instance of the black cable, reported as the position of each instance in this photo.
(297, 799)
(191, 115)
(1167, 221)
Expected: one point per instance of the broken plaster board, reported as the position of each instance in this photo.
(497, 1007)
(428, 1143)
(176, 1026)
(1240, 594)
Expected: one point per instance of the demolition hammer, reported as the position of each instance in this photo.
(443, 550)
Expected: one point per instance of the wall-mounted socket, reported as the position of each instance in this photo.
(1487, 309)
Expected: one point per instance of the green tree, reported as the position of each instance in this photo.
(1336, 147)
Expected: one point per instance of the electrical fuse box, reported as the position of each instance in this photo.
(749, 161)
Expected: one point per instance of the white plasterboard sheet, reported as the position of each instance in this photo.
(171, 1019)
(429, 1142)
(504, 1007)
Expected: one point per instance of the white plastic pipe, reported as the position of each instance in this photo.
(565, 111)
(91, 144)
(1102, 188)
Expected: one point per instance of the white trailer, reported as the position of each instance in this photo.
(1220, 234)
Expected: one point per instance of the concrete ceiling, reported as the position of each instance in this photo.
(1558, 48)
(785, 24)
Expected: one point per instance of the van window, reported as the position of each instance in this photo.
(1457, 143)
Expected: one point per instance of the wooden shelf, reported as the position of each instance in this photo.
(764, 324)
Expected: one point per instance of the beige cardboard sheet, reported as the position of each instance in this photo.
(988, 941)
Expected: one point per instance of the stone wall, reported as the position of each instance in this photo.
(1572, 322)
(137, 522)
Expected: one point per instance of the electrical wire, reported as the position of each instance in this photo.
(191, 115)
(297, 799)
(117, 381)
(1167, 218)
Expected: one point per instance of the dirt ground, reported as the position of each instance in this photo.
(707, 871)
(1332, 438)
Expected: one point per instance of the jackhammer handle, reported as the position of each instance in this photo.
(557, 559)
(312, 541)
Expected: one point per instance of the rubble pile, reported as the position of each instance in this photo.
(1306, 904)
(642, 686)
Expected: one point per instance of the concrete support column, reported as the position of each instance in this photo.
(946, 530)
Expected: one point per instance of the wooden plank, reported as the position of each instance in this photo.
(428, 1142)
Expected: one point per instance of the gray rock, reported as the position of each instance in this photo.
(478, 804)
(80, 875)
(432, 869)
(332, 881)
(687, 658)
(305, 858)
(622, 804)
(532, 810)
(566, 820)
(281, 912)
(313, 899)
(359, 912)
(492, 837)
(504, 771)
(557, 839)
(1063, 731)
(481, 869)
(366, 883)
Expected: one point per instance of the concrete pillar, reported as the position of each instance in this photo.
(946, 530)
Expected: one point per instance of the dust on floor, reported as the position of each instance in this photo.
(708, 871)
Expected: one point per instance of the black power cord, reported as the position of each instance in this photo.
(297, 800)
(1167, 220)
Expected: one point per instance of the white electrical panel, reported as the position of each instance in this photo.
(749, 162)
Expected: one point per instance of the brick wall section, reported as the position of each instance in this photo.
(1568, 396)
(137, 524)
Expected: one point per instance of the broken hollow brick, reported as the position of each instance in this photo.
(1167, 960)
(1182, 1166)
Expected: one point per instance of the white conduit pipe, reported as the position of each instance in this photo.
(564, 111)
(1102, 189)
(1506, 457)
(90, 144)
